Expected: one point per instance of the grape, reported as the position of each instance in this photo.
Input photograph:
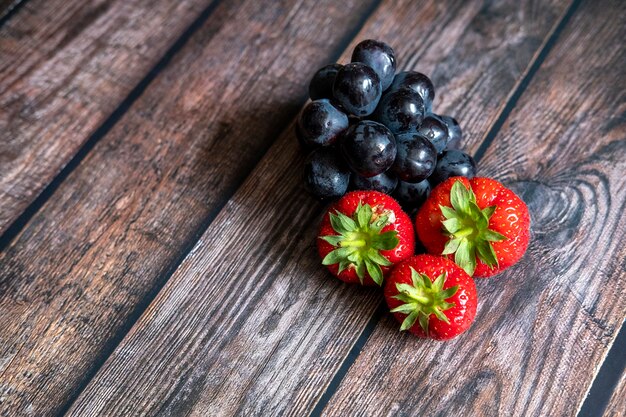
(435, 130)
(357, 89)
(417, 82)
(321, 85)
(453, 163)
(412, 195)
(325, 174)
(369, 148)
(415, 159)
(321, 123)
(380, 57)
(455, 134)
(385, 183)
(400, 110)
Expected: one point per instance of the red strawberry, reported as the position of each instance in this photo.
(432, 297)
(478, 222)
(362, 235)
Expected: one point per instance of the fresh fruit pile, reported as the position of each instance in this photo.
(368, 128)
(372, 130)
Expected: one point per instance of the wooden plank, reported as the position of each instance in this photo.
(85, 266)
(65, 66)
(617, 403)
(543, 327)
(250, 324)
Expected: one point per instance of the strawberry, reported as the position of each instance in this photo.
(480, 224)
(431, 296)
(362, 235)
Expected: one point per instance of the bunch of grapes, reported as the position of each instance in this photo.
(368, 128)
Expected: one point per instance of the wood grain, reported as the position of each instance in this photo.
(65, 66)
(544, 327)
(88, 263)
(250, 324)
(617, 403)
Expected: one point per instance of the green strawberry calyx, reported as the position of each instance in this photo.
(423, 298)
(359, 241)
(468, 228)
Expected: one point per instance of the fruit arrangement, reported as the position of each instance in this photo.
(370, 128)
(377, 150)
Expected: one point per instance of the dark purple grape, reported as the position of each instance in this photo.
(455, 134)
(415, 158)
(384, 183)
(412, 195)
(325, 174)
(380, 57)
(435, 130)
(417, 82)
(400, 110)
(357, 89)
(321, 123)
(453, 163)
(369, 148)
(321, 85)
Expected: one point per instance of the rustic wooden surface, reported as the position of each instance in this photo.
(542, 328)
(65, 66)
(278, 349)
(123, 217)
(248, 323)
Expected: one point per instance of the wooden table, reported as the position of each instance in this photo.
(157, 251)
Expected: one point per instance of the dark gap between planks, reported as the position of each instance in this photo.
(187, 247)
(12, 8)
(355, 351)
(605, 382)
